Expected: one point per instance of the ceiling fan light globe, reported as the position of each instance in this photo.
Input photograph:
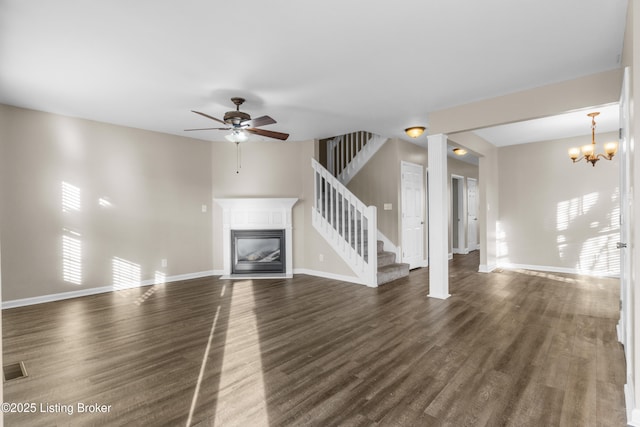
(237, 136)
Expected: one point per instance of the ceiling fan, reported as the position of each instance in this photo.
(241, 123)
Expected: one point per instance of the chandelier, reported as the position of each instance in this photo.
(589, 150)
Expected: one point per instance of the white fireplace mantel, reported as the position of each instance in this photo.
(256, 214)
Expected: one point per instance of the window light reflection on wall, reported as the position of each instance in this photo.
(126, 274)
(72, 257)
(70, 197)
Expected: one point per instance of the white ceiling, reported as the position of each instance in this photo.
(575, 123)
(320, 68)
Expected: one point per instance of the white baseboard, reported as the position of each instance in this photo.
(463, 251)
(486, 268)
(324, 274)
(450, 257)
(103, 289)
(551, 269)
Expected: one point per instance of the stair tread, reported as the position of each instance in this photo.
(386, 258)
(393, 266)
(391, 272)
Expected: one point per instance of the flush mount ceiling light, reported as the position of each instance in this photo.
(589, 150)
(415, 131)
(459, 151)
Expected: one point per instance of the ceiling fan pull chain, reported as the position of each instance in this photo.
(238, 160)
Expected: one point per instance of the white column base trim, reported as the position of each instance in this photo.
(104, 289)
(438, 296)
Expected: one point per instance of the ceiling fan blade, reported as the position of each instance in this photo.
(260, 121)
(208, 116)
(208, 129)
(268, 133)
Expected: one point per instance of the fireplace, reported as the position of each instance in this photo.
(258, 251)
(247, 221)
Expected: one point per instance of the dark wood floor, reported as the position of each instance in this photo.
(508, 348)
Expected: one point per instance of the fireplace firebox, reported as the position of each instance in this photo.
(258, 251)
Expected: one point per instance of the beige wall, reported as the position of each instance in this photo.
(378, 182)
(274, 169)
(465, 170)
(156, 186)
(557, 214)
(596, 89)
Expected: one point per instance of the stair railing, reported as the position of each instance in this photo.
(342, 149)
(347, 154)
(348, 225)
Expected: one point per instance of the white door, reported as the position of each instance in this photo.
(625, 325)
(412, 214)
(472, 213)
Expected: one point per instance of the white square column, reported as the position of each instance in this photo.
(438, 216)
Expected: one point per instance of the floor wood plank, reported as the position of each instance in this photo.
(509, 348)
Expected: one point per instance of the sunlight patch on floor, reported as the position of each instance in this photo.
(242, 373)
(203, 366)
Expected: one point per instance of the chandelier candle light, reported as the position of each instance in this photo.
(589, 150)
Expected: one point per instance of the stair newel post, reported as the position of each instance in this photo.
(372, 238)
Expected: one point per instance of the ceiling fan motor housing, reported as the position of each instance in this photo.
(236, 117)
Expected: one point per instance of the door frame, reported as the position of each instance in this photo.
(625, 327)
(477, 230)
(459, 221)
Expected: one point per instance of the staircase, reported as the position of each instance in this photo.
(388, 269)
(350, 228)
(347, 154)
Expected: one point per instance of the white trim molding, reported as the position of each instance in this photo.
(104, 289)
(551, 269)
(256, 214)
(325, 275)
(484, 268)
(633, 413)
